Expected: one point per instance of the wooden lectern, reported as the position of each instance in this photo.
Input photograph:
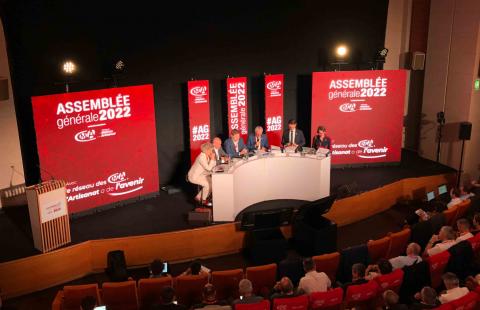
(47, 206)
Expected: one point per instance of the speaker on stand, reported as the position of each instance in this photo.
(464, 133)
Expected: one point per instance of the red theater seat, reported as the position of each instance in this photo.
(120, 295)
(292, 303)
(450, 215)
(188, 289)
(398, 243)
(226, 283)
(362, 295)
(392, 281)
(462, 208)
(262, 277)
(72, 295)
(467, 302)
(475, 242)
(150, 290)
(437, 264)
(378, 248)
(263, 305)
(329, 300)
(328, 263)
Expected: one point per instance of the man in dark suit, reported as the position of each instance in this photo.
(234, 146)
(218, 150)
(293, 136)
(258, 141)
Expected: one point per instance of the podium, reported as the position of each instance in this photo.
(47, 206)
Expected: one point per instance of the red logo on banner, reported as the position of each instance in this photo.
(102, 142)
(237, 105)
(363, 114)
(274, 108)
(199, 115)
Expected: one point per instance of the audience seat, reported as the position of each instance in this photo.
(361, 295)
(263, 305)
(437, 264)
(149, 290)
(120, 295)
(188, 289)
(378, 248)
(72, 295)
(451, 215)
(398, 242)
(475, 243)
(329, 300)
(467, 302)
(263, 278)
(226, 283)
(328, 263)
(462, 209)
(392, 281)
(291, 303)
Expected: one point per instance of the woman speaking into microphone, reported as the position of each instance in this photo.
(321, 140)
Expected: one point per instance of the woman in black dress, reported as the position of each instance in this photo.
(321, 140)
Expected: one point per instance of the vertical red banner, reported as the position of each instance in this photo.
(274, 89)
(199, 115)
(237, 105)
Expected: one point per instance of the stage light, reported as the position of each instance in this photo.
(69, 67)
(119, 66)
(341, 51)
(383, 52)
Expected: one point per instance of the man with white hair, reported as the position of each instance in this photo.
(412, 257)
(258, 141)
(201, 172)
(218, 150)
(441, 242)
(454, 291)
(245, 289)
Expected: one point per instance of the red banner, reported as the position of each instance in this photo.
(101, 142)
(199, 115)
(274, 88)
(363, 114)
(237, 105)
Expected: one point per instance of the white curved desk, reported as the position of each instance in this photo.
(268, 177)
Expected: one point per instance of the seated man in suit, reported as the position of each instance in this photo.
(258, 141)
(234, 146)
(219, 152)
(293, 136)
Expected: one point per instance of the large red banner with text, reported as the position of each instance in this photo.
(274, 89)
(199, 115)
(102, 142)
(363, 114)
(237, 105)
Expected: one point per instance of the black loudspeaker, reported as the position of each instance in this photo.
(200, 217)
(116, 266)
(266, 246)
(315, 237)
(465, 131)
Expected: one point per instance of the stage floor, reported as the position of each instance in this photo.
(166, 213)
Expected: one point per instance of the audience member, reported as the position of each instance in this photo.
(358, 276)
(245, 289)
(454, 291)
(382, 267)
(209, 299)
(88, 303)
(412, 257)
(455, 198)
(463, 226)
(196, 268)
(391, 301)
(168, 300)
(283, 289)
(465, 193)
(427, 299)
(313, 281)
(156, 269)
(441, 242)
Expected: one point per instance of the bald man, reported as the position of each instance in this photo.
(284, 289)
(218, 149)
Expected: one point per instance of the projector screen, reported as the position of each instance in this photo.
(101, 142)
(363, 114)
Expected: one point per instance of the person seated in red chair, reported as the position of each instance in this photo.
(245, 288)
(168, 300)
(313, 281)
(321, 140)
(210, 301)
(358, 276)
(464, 233)
(284, 289)
(426, 299)
(454, 291)
(381, 268)
(391, 301)
(441, 242)
(412, 257)
(196, 268)
(454, 198)
(156, 269)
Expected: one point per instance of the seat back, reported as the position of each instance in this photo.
(188, 289)
(262, 277)
(475, 243)
(378, 248)
(328, 263)
(292, 303)
(462, 208)
(392, 281)
(263, 305)
(332, 299)
(226, 283)
(120, 295)
(73, 295)
(361, 295)
(398, 242)
(437, 264)
(451, 215)
(467, 302)
(150, 290)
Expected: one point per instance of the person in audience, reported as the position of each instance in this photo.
(218, 150)
(391, 301)
(283, 289)
(196, 268)
(200, 172)
(156, 269)
(358, 276)
(234, 146)
(454, 198)
(476, 224)
(382, 267)
(426, 299)
(454, 291)
(168, 300)
(245, 288)
(465, 193)
(464, 233)
(209, 299)
(87, 303)
(258, 141)
(313, 281)
(441, 242)
(412, 257)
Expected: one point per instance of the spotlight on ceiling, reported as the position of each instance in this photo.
(69, 67)
(341, 51)
(119, 66)
(383, 52)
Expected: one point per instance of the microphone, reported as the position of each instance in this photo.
(46, 171)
